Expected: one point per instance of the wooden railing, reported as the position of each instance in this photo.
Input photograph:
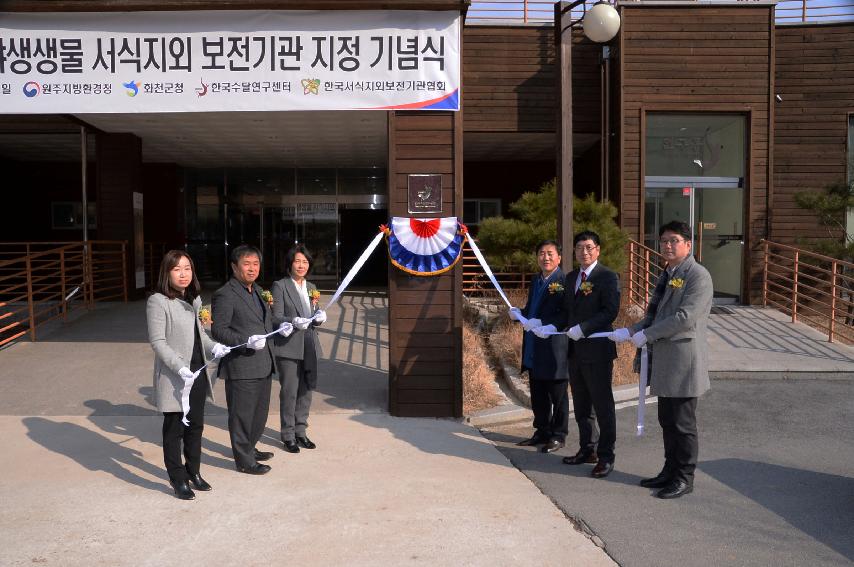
(41, 281)
(537, 11)
(645, 266)
(475, 282)
(816, 289)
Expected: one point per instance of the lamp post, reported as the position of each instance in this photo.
(601, 23)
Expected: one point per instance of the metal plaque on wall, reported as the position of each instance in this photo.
(425, 193)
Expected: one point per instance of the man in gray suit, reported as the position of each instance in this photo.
(241, 315)
(674, 329)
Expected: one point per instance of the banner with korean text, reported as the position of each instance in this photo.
(229, 60)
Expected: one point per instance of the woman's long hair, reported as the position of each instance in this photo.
(164, 286)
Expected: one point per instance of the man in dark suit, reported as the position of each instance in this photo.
(241, 315)
(591, 307)
(545, 358)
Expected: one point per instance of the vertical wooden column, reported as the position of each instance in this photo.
(425, 313)
(119, 172)
(563, 65)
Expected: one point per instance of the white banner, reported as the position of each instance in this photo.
(228, 60)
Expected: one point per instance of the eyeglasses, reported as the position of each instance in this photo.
(588, 248)
(670, 241)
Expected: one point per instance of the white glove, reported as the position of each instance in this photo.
(532, 324)
(301, 323)
(575, 333)
(514, 313)
(621, 335)
(220, 350)
(257, 342)
(320, 316)
(544, 332)
(186, 373)
(285, 329)
(639, 339)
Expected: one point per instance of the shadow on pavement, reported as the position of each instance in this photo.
(819, 504)
(529, 459)
(107, 323)
(93, 451)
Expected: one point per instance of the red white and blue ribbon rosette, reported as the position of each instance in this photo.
(425, 247)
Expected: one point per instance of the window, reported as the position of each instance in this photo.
(475, 210)
(69, 215)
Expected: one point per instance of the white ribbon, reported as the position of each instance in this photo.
(487, 269)
(644, 370)
(185, 394)
(644, 377)
(355, 269)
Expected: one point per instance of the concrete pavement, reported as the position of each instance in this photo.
(83, 480)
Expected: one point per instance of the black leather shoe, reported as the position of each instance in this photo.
(263, 455)
(291, 446)
(199, 483)
(183, 490)
(257, 468)
(675, 489)
(581, 458)
(660, 481)
(552, 445)
(602, 469)
(530, 442)
(306, 443)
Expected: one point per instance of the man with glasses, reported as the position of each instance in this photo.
(674, 330)
(591, 307)
(544, 356)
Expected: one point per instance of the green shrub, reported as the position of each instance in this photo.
(509, 243)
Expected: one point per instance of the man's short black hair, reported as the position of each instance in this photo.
(586, 235)
(679, 227)
(244, 250)
(548, 242)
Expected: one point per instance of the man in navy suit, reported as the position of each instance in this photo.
(591, 305)
(544, 357)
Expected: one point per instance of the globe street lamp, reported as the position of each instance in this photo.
(601, 22)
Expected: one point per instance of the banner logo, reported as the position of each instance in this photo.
(132, 87)
(31, 89)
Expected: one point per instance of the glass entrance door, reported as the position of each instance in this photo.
(714, 207)
(695, 169)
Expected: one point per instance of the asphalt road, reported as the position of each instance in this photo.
(774, 485)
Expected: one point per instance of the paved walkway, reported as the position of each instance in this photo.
(83, 481)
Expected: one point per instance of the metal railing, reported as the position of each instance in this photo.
(644, 268)
(531, 11)
(475, 282)
(41, 281)
(816, 289)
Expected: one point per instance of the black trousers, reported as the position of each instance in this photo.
(248, 404)
(678, 420)
(591, 390)
(550, 403)
(175, 433)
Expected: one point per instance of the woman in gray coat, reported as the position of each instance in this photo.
(295, 301)
(180, 344)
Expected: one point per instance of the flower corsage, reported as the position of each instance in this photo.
(586, 288)
(268, 297)
(555, 287)
(676, 283)
(314, 297)
(205, 315)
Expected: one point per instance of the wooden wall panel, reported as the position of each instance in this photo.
(425, 313)
(815, 78)
(697, 59)
(509, 80)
